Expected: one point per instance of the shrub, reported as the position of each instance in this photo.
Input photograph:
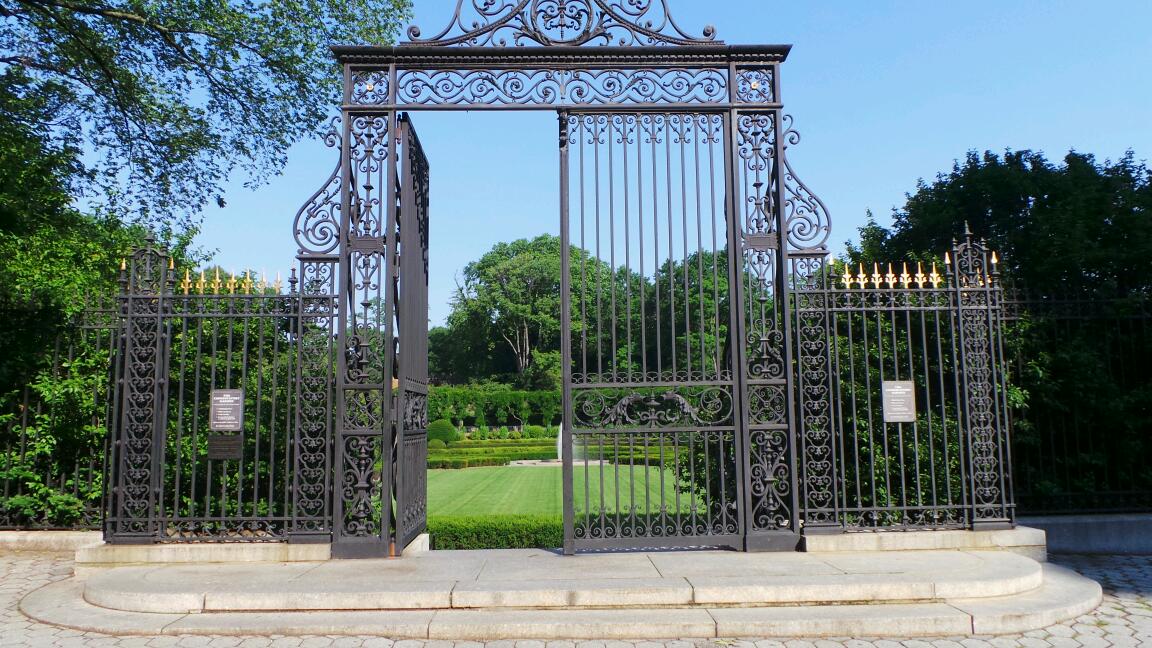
(501, 433)
(496, 532)
(437, 444)
(515, 435)
(481, 434)
(442, 430)
(535, 432)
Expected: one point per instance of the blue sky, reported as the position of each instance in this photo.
(884, 93)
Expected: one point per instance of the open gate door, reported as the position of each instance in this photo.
(411, 413)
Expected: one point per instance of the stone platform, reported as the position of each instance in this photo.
(533, 594)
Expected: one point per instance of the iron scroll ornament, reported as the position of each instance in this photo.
(317, 226)
(498, 23)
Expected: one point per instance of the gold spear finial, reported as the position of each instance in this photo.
(947, 259)
(201, 284)
(278, 283)
(905, 278)
(890, 277)
(231, 283)
(171, 263)
(847, 278)
(263, 281)
(123, 264)
(995, 259)
(861, 276)
(935, 277)
(248, 282)
(876, 277)
(921, 279)
(186, 285)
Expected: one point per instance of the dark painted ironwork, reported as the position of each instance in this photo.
(1080, 433)
(720, 388)
(483, 23)
(860, 329)
(412, 363)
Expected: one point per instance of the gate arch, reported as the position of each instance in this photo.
(721, 387)
(672, 147)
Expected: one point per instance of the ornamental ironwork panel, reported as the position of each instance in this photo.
(488, 23)
(548, 87)
(763, 329)
(364, 453)
(934, 332)
(412, 364)
(191, 341)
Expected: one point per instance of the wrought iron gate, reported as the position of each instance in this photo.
(704, 377)
(327, 381)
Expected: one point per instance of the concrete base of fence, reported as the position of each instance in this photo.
(47, 540)
(1096, 534)
(1026, 541)
(99, 555)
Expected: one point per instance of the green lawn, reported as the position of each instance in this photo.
(533, 490)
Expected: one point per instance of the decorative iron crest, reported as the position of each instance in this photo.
(500, 23)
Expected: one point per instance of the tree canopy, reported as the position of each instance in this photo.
(1080, 225)
(168, 97)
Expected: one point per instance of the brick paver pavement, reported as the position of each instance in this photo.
(1124, 619)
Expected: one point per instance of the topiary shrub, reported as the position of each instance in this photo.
(535, 432)
(496, 532)
(442, 430)
(437, 444)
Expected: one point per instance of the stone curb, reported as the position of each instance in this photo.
(1064, 595)
(380, 586)
(47, 540)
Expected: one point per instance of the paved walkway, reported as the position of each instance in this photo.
(1125, 619)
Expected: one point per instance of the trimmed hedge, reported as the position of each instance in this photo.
(493, 405)
(496, 532)
(505, 443)
(442, 430)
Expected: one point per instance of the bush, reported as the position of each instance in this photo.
(436, 444)
(494, 405)
(496, 532)
(442, 430)
(535, 432)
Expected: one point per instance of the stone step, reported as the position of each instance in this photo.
(543, 580)
(1062, 595)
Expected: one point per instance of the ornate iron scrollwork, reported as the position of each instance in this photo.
(755, 85)
(548, 87)
(679, 407)
(805, 216)
(499, 23)
(317, 226)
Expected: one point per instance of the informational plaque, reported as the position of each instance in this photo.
(225, 447)
(899, 398)
(226, 414)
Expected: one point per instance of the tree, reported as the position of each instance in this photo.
(515, 290)
(169, 97)
(1079, 225)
